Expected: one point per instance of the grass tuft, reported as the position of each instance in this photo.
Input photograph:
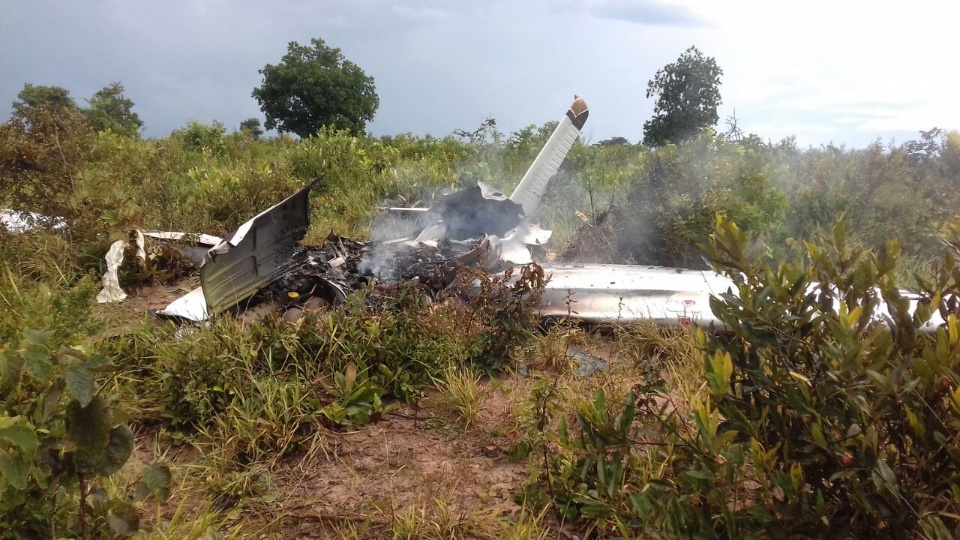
(461, 394)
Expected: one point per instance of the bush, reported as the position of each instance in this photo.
(833, 411)
(59, 437)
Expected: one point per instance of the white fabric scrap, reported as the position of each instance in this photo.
(111, 281)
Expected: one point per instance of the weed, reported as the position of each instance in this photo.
(461, 394)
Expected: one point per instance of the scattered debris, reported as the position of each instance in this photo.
(262, 267)
(180, 253)
(21, 222)
(588, 364)
(111, 278)
(263, 261)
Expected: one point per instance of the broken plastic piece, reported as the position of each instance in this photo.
(20, 222)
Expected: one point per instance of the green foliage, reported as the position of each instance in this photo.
(34, 100)
(58, 438)
(351, 181)
(63, 311)
(344, 364)
(688, 93)
(831, 410)
(110, 109)
(505, 305)
(314, 87)
(355, 397)
(43, 150)
(679, 190)
(252, 127)
(837, 377)
(200, 137)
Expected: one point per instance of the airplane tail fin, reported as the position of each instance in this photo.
(535, 181)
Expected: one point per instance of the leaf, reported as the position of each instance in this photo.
(89, 428)
(37, 363)
(157, 477)
(37, 337)
(562, 433)
(853, 317)
(11, 364)
(117, 452)
(124, 520)
(350, 377)
(15, 470)
(80, 384)
(98, 363)
(801, 377)
(52, 398)
(23, 436)
(918, 428)
(140, 491)
(700, 474)
(761, 514)
(886, 473)
(718, 373)
(816, 432)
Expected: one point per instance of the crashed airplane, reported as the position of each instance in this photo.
(263, 265)
(478, 225)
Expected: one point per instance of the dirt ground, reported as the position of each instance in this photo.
(403, 462)
(413, 462)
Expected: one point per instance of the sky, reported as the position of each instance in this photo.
(842, 72)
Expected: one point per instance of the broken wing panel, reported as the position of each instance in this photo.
(256, 254)
(611, 293)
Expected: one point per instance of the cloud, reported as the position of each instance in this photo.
(442, 65)
(647, 12)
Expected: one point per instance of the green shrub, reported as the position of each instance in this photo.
(373, 348)
(833, 412)
(59, 437)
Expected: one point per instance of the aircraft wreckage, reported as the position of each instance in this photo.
(263, 264)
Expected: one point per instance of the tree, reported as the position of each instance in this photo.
(110, 109)
(313, 87)
(43, 151)
(35, 100)
(688, 92)
(252, 127)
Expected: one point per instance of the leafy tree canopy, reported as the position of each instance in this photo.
(313, 87)
(688, 93)
(36, 98)
(252, 127)
(110, 109)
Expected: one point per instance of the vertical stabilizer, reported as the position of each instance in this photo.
(535, 181)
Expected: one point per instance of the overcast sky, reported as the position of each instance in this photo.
(847, 72)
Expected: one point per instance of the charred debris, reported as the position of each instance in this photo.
(263, 267)
(263, 262)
